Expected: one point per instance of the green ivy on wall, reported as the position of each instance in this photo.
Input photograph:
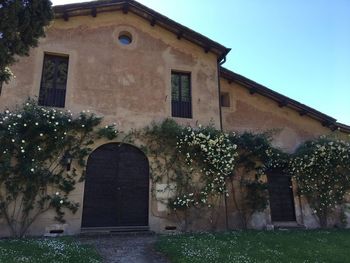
(322, 170)
(202, 163)
(36, 145)
(200, 166)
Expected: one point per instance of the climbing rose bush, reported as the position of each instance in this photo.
(36, 146)
(322, 170)
(213, 153)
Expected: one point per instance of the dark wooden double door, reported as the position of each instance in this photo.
(281, 197)
(116, 187)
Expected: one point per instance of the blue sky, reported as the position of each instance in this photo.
(296, 47)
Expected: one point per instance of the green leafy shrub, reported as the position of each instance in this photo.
(256, 157)
(37, 145)
(322, 170)
(22, 23)
(211, 153)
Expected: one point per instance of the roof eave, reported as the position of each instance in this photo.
(343, 127)
(153, 17)
(283, 100)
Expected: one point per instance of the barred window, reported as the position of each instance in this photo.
(181, 101)
(54, 81)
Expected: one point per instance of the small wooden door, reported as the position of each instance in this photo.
(116, 187)
(281, 197)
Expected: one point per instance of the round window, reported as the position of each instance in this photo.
(125, 38)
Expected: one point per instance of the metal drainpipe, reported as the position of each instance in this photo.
(221, 128)
(301, 210)
(219, 90)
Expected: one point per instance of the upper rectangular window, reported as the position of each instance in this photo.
(54, 81)
(181, 101)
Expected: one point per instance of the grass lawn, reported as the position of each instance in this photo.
(51, 250)
(258, 246)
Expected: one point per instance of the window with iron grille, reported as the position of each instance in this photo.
(54, 81)
(181, 101)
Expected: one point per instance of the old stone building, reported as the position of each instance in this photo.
(133, 66)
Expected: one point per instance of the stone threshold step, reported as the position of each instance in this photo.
(287, 225)
(137, 230)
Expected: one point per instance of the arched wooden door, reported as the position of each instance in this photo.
(116, 187)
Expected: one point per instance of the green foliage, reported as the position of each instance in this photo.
(256, 197)
(35, 145)
(22, 23)
(210, 153)
(160, 144)
(256, 157)
(167, 164)
(197, 160)
(187, 162)
(322, 170)
(257, 153)
(201, 161)
(167, 131)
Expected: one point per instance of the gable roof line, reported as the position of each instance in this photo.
(155, 18)
(283, 100)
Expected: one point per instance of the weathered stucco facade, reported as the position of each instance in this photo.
(120, 81)
(289, 128)
(130, 85)
(264, 115)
